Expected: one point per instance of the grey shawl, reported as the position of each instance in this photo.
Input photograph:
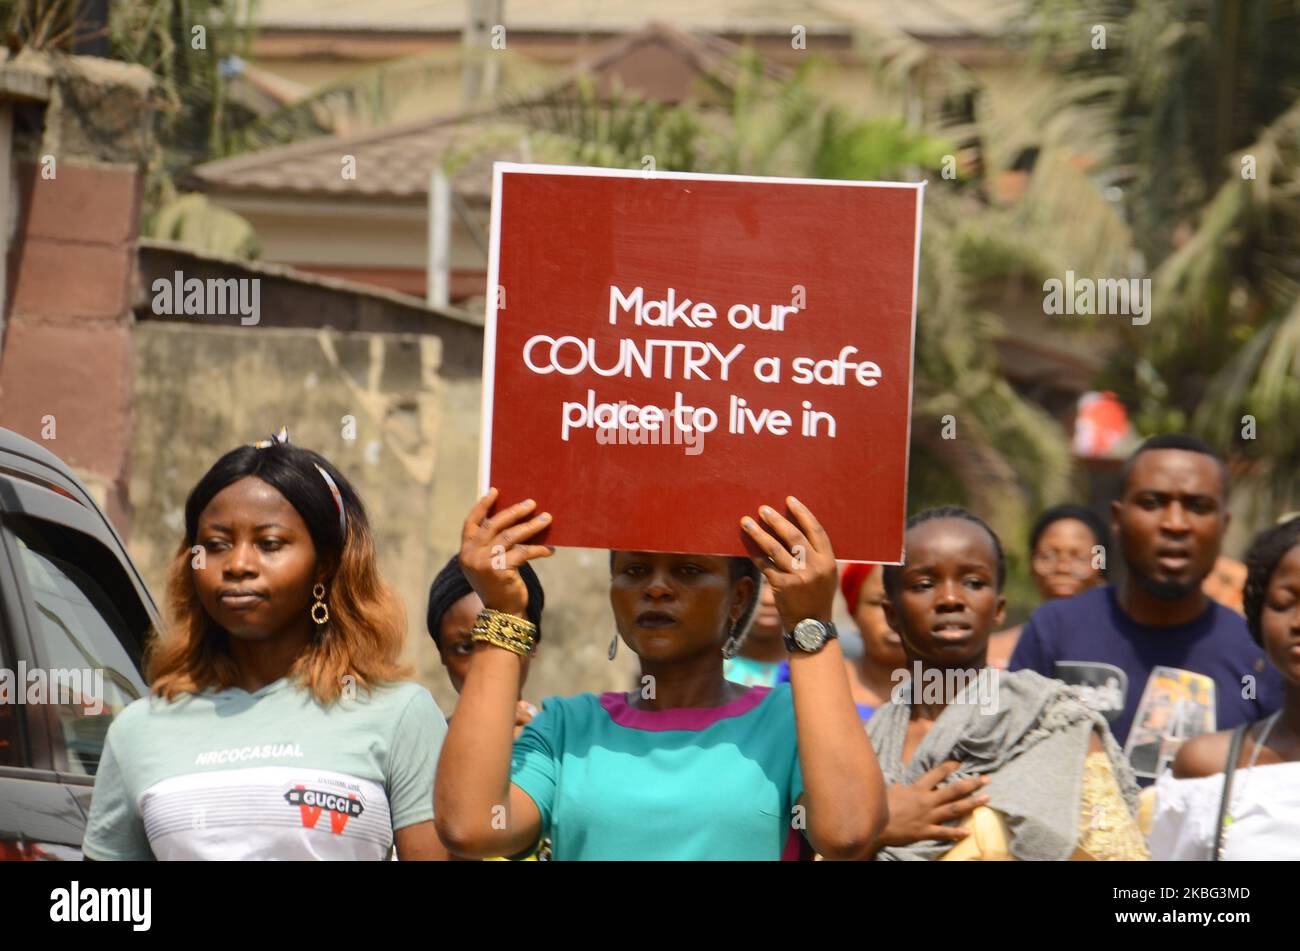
(1032, 745)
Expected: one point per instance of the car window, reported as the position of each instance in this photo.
(86, 647)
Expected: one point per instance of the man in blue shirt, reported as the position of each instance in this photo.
(1155, 655)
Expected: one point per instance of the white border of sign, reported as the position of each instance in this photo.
(494, 251)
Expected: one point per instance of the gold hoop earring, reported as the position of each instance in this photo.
(318, 592)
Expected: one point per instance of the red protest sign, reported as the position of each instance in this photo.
(665, 352)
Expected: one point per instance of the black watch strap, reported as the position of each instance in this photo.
(828, 629)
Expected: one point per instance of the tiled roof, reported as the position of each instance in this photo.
(662, 63)
(394, 163)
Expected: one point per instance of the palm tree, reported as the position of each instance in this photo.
(1204, 110)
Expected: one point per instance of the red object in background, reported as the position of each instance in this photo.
(846, 251)
(1101, 426)
(11, 851)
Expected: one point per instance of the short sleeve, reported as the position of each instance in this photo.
(533, 766)
(1030, 653)
(115, 828)
(413, 760)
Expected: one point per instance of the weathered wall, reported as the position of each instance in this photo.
(66, 362)
(203, 389)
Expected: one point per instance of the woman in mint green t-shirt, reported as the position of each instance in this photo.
(690, 766)
(278, 724)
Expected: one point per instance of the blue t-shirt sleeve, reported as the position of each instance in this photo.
(533, 762)
(413, 760)
(1030, 652)
(1270, 690)
(115, 828)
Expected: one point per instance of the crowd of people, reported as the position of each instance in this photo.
(1131, 716)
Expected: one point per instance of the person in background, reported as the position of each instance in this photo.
(1064, 545)
(453, 608)
(1225, 583)
(760, 660)
(1161, 660)
(872, 676)
(1235, 794)
(280, 723)
(962, 736)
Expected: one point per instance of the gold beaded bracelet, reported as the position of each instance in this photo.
(505, 631)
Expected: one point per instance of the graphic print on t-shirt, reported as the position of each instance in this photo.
(1176, 705)
(290, 812)
(312, 802)
(1101, 687)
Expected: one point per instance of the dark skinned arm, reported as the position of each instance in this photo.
(844, 792)
(473, 784)
(419, 843)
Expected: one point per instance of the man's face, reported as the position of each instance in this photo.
(1171, 520)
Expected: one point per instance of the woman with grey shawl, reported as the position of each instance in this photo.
(960, 735)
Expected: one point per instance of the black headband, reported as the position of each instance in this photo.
(450, 586)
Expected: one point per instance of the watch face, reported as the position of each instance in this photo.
(809, 635)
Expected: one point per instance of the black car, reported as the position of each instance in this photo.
(74, 615)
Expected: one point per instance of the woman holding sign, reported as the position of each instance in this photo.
(689, 767)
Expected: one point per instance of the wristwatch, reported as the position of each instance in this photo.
(810, 636)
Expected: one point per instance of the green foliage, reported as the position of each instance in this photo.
(871, 148)
(194, 221)
(1204, 111)
(183, 44)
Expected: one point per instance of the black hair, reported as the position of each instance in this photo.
(1059, 513)
(450, 585)
(1180, 441)
(738, 568)
(893, 573)
(292, 471)
(1269, 547)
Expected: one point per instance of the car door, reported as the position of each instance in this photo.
(76, 623)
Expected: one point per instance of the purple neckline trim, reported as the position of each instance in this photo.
(679, 718)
